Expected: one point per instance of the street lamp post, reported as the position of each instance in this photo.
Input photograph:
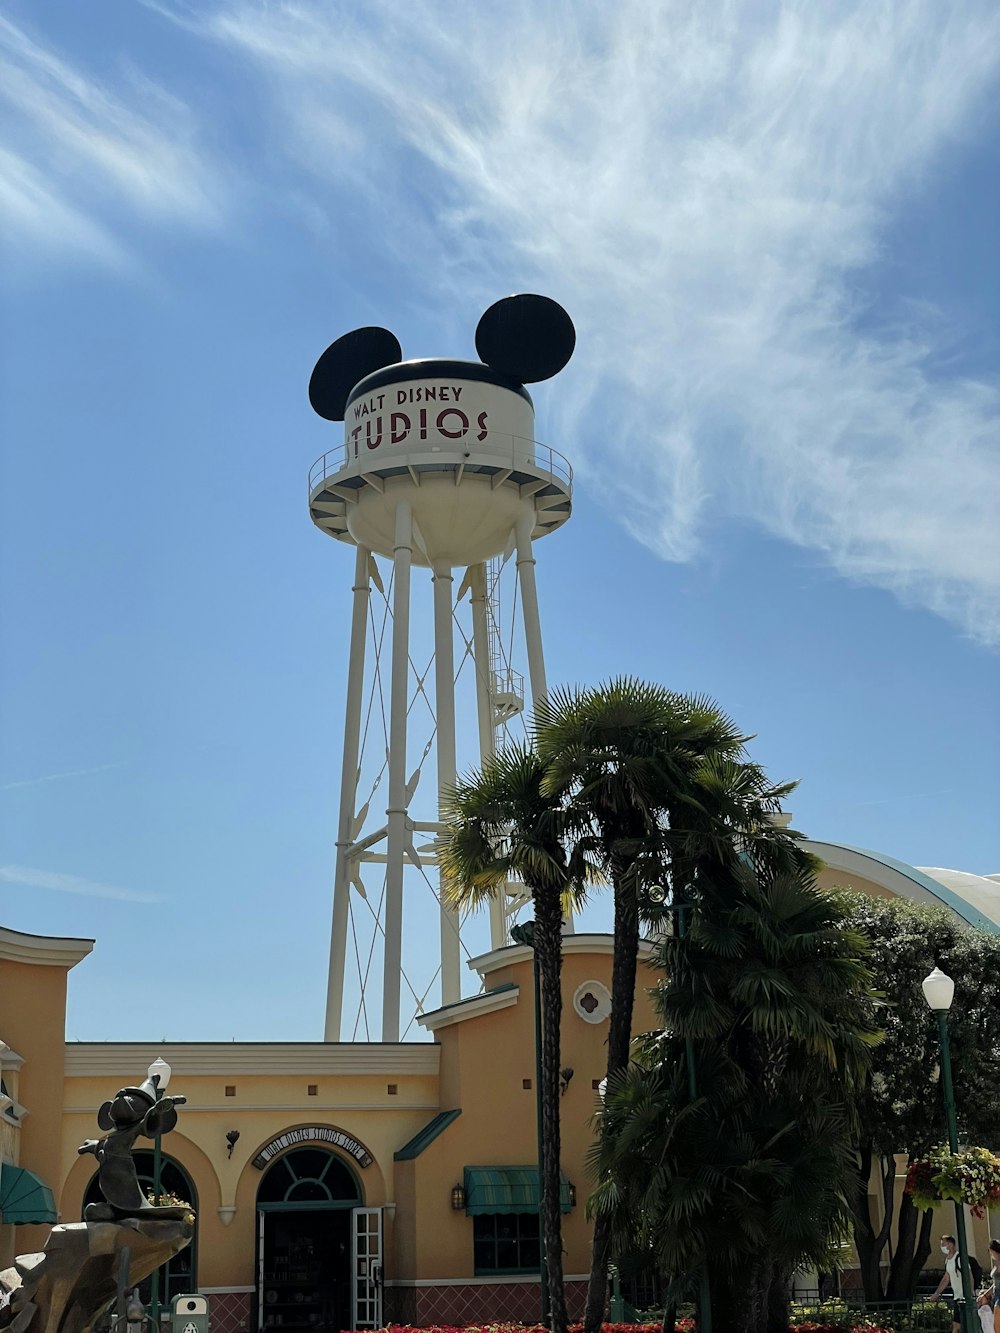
(525, 934)
(939, 991)
(158, 1074)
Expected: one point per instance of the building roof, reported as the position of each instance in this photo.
(486, 1002)
(979, 891)
(50, 950)
(426, 1136)
(572, 942)
(88, 1059)
(974, 899)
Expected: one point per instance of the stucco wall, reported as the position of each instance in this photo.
(34, 1017)
(486, 1061)
(381, 1096)
(263, 1108)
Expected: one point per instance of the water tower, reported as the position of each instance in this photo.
(439, 470)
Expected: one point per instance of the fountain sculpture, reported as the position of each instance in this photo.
(86, 1266)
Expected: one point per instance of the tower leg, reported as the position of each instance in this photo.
(529, 605)
(444, 699)
(348, 797)
(533, 626)
(487, 729)
(396, 811)
(481, 658)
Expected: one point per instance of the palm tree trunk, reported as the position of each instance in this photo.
(754, 1300)
(623, 974)
(733, 1301)
(778, 1300)
(597, 1287)
(548, 946)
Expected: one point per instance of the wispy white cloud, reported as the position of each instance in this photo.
(30, 878)
(81, 158)
(33, 209)
(56, 777)
(706, 187)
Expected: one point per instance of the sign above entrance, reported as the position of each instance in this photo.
(313, 1134)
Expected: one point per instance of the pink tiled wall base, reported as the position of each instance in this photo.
(474, 1304)
(229, 1311)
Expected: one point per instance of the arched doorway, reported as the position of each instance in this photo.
(179, 1274)
(309, 1221)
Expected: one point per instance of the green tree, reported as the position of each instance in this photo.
(902, 1109)
(771, 994)
(505, 823)
(644, 767)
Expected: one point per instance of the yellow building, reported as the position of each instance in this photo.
(341, 1185)
(336, 1184)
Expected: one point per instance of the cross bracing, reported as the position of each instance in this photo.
(366, 856)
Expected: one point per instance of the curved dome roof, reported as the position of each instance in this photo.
(980, 891)
(975, 899)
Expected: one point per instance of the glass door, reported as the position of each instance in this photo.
(260, 1270)
(306, 1274)
(366, 1267)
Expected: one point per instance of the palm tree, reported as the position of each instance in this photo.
(754, 1177)
(627, 753)
(503, 825)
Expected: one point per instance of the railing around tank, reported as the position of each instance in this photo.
(497, 448)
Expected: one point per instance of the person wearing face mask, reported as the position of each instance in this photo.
(952, 1276)
(989, 1301)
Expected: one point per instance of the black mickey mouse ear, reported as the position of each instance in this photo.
(527, 337)
(347, 361)
(104, 1117)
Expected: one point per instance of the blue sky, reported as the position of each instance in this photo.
(774, 227)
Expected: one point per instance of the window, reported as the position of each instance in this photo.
(179, 1274)
(308, 1175)
(505, 1243)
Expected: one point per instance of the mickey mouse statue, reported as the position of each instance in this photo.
(133, 1111)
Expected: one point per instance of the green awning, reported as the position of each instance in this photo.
(23, 1197)
(507, 1189)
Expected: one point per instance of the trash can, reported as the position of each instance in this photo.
(189, 1313)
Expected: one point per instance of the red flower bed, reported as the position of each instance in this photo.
(823, 1326)
(682, 1326)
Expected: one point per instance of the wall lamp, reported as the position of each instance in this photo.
(572, 1195)
(458, 1197)
(232, 1135)
(564, 1077)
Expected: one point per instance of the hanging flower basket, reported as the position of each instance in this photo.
(971, 1177)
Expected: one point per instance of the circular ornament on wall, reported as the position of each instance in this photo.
(592, 1001)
